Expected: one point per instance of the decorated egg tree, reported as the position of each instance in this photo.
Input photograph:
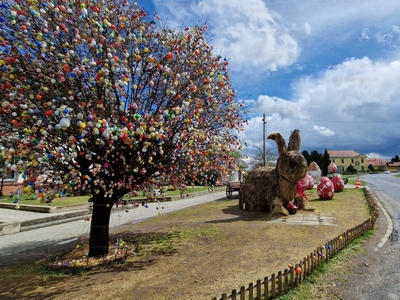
(103, 94)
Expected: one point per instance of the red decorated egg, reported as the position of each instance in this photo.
(338, 183)
(292, 209)
(325, 189)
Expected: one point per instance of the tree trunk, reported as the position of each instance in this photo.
(99, 229)
(1, 187)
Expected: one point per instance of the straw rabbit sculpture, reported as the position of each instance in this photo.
(271, 189)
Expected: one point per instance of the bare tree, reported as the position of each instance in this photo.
(258, 160)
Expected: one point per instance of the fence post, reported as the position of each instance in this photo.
(273, 281)
(259, 295)
(286, 276)
(326, 252)
(305, 266)
(242, 293)
(233, 295)
(314, 260)
(266, 289)
(292, 282)
(320, 254)
(301, 271)
(224, 297)
(280, 283)
(250, 291)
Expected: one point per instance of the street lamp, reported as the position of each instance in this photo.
(264, 122)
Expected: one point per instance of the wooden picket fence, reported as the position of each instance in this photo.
(279, 284)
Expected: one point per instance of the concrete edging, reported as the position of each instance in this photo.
(9, 228)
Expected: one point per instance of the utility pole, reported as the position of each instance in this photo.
(264, 122)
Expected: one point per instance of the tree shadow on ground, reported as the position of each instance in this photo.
(242, 215)
(144, 250)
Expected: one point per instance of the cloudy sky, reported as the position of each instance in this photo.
(330, 68)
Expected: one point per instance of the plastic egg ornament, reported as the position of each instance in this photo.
(325, 189)
(338, 183)
(65, 123)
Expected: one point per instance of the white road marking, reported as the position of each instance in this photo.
(389, 228)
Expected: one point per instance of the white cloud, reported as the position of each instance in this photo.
(323, 130)
(244, 31)
(280, 107)
(348, 105)
(353, 105)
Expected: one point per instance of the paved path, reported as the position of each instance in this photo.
(17, 215)
(44, 242)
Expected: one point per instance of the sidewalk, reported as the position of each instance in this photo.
(16, 217)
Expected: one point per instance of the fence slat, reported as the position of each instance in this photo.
(273, 281)
(266, 288)
(292, 282)
(286, 276)
(280, 283)
(259, 294)
(242, 293)
(251, 288)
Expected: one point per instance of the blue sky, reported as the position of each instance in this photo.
(330, 68)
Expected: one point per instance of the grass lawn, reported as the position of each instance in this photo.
(194, 253)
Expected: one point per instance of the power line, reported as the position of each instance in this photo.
(331, 121)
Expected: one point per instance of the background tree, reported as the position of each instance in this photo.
(317, 157)
(258, 160)
(307, 156)
(100, 93)
(395, 159)
(325, 161)
(351, 169)
(371, 167)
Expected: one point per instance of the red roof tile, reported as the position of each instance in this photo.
(342, 153)
(376, 162)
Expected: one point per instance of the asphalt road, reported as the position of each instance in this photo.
(377, 273)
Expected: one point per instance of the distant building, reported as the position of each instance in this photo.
(378, 163)
(393, 166)
(345, 158)
(237, 175)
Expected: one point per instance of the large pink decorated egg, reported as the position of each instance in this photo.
(325, 189)
(332, 168)
(307, 182)
(304, 183)
(338, 183)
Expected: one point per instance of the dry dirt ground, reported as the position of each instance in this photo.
(196, 253)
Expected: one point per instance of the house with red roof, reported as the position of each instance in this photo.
(393, 166)
(379, 164)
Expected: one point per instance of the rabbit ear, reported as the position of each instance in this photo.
(294, 141)
(280, 141)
